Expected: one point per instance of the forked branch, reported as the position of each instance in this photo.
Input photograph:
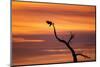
(67, 43)
(71, 37)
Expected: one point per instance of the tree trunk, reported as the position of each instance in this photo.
(72, 52)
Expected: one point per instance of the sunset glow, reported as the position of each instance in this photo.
(34, 42)
(28, 19)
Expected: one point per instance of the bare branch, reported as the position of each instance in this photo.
(83, 56)
(71, 37)
(63, 41)
(66, 43)
(56, 34)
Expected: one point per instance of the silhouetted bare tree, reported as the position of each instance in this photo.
(67, 43)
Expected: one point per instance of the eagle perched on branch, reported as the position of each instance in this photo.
(49, 22)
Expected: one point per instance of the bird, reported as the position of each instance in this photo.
(49, 22)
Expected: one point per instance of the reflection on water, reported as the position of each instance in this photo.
(53, 56)
(49, 50)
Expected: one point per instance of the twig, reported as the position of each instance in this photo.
(83, 55)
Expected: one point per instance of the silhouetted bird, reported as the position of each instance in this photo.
(49, 22)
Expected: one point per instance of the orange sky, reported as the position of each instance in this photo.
(32, 37)
(30, 18)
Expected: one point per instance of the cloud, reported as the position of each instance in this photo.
(26, 40)
(58, 9)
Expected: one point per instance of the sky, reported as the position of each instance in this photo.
(75, 18)
(31, 35)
